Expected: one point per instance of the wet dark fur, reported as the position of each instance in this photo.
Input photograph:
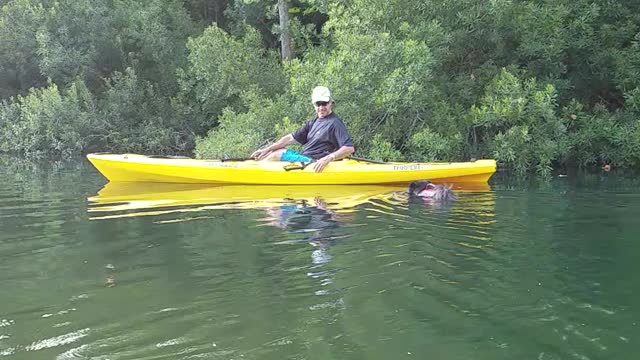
(440, 192)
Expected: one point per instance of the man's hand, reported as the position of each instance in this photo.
(260, 154)
(320, 164)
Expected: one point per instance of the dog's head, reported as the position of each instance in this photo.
(428, 190)
(419, 187)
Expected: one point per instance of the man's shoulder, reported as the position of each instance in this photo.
(334, 118)
(312, 120)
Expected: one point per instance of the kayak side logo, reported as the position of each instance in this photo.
(407, 167)
(223, 165)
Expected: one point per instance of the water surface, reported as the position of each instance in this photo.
(521, 269)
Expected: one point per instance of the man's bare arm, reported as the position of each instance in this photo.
(262, 153)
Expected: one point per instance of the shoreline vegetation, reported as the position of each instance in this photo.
(536, 86)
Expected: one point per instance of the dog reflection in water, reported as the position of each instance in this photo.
(427, 190)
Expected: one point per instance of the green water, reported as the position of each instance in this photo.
(524, 270)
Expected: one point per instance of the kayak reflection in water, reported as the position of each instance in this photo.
(316, 220)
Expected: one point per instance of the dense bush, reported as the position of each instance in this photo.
(48, 122)
(134, 116)
(239, 134)
(519, 124)
(602, 137)
(427, 145)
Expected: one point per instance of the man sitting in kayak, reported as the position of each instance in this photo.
(325, 137)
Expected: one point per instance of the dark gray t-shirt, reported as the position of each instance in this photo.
(321, 137)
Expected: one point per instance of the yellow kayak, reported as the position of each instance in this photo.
(141, 168)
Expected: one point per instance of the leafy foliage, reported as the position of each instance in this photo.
(603, 138)
(67, 47)
(221, 68)
(383, 150)
(151, 38)
(133, 117)
(239, 134)
(535, 85)
(46, 121)
(19, 69)
(427, 145)
(518, 123)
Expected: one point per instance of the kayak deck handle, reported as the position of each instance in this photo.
(294, 166)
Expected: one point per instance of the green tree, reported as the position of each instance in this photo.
(75, 41)
(220, 68)
(19, 68)
(152, 38)
(207, 12)
(133, 116)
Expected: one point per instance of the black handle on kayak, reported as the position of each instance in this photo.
(293, 166)
(167, 157)
(367, 160)
(236, 159)
(303, 165)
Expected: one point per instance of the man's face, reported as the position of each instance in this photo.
(323, 108)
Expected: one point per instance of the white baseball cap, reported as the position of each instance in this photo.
(320, 93)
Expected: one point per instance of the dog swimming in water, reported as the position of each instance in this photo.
(428, 190)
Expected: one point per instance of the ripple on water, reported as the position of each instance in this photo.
(79, 352)
(58, 340)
